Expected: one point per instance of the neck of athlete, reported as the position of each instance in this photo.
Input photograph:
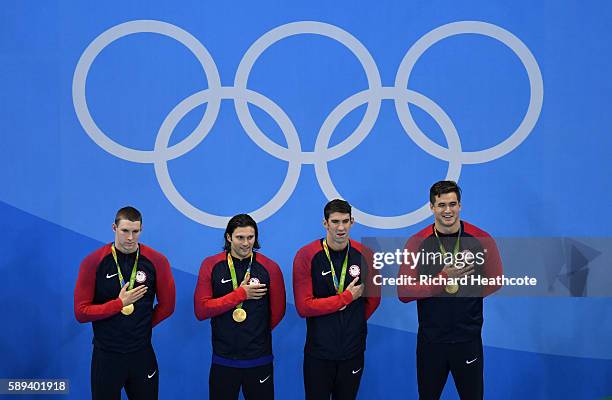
(336, 246)
(448, 230)
(125, 251)
(236, 256)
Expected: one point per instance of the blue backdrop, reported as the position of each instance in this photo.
(195, 111)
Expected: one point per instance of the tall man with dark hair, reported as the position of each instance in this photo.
(115, 290)
(243, 293)
(329, 280)
(450, 314)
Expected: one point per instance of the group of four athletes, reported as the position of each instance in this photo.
(242, 292)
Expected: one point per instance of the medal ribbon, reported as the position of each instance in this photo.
(230, 263)
(338, 286)
(457, 243)
(119, 274)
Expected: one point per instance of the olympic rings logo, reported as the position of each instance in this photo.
(293, 154)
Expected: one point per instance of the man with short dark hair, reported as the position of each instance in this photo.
(450, 314)
(115, 290)
(243, 293)
(329, 280)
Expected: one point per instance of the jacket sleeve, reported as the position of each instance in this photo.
(307, 305)
(165, 291)
(277, 294)
(204, 304)
(84, 310)
(416, 290)
(372, 291)
(493, 264)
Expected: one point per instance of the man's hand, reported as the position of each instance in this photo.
(356, 290)
(454, 272)
(255, 291)
(131, 296)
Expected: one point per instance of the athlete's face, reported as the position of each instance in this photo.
(338, 226)
(242, 241)
(446, 210)
(127, 234)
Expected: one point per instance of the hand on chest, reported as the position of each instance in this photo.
(336, 272)
(223, 282)
(110, 279)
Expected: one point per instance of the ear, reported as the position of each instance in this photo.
(431, 207)
(228, 237)
(352, 220)
(325, 223)
(114, 228)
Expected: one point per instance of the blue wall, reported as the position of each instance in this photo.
(532, 76)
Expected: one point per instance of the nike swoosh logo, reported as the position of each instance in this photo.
(325, 273)
(264, 379)
(110, 276)
(225, 280)
(354, 372)
(469, 362)
(151, 376)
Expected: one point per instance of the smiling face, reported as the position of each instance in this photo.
(446, 210)
(242, 241)
(127, 234)
(338, 226)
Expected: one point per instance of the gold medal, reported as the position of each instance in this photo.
(451, 288)
(239, 315)
(127, 310)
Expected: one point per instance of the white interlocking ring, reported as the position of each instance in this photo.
(318, 28)
(204, 96)
(129, 28)
(482, 28)
(397, 94)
